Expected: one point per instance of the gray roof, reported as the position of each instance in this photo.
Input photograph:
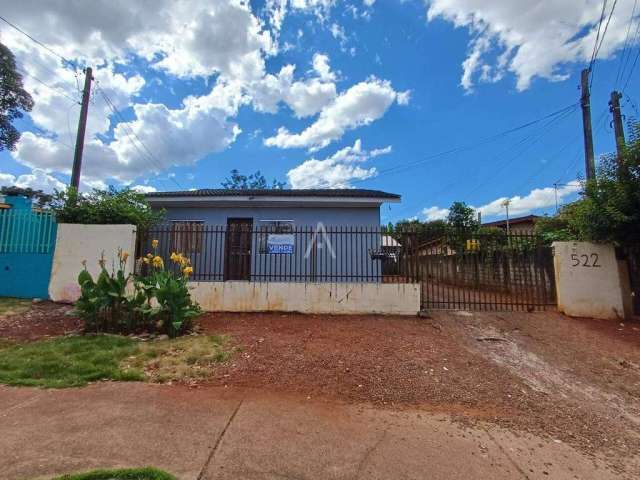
(318, 192)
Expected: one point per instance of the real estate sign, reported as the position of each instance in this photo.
(280, 243)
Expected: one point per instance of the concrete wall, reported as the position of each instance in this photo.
(590, 281)
(338, 298)
(75, 243)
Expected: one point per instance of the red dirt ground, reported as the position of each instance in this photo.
(44, 319)
(576, 380)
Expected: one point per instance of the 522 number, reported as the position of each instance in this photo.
(585, 260)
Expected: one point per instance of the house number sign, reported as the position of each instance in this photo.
(585, 260)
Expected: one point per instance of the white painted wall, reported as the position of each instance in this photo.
(75, 243)
(337, 298)
(590, 281)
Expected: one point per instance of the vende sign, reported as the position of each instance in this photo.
(280, 243)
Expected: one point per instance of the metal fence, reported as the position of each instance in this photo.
(286, 253)
(487, 272)
(27, 231)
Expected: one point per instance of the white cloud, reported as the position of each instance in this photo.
(529, 39)
(322, 68)
(305, 98)
(537, 199)
(369, 3)
(336, 171)
(37, 180)
(144, 188)
(360, 105)
(435, 213)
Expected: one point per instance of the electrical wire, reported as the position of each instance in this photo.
(623, 56)
(482, 141)
(131, 134)
(604, 33)
(50, 50)
(51, 87)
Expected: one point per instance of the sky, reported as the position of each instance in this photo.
(436, 100)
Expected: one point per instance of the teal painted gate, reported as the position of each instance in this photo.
(27, 241)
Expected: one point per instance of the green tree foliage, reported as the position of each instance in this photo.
(462, 218)
(41, 198)
(609, 210)
(254, 181)
(110, 206)
(14, 99)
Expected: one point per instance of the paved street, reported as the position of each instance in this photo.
(217, 433)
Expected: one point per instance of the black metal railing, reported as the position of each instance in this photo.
(285, 253)
(492, 271)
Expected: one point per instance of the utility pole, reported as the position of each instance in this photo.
(585, 102)
(505, 204)
(82, 127)
(614, 108)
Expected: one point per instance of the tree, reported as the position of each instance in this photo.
(43, 199)
(13, 99)
(255, 181)
(462, 218)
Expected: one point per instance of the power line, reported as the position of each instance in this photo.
(623, 56)
(482, 141)
(604, 33)
(50, 50)
(131, 134)
(51, 87)
(595, 45)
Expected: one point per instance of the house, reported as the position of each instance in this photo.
(524, 224)
(275, 235)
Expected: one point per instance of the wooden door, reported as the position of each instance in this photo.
(237, 264)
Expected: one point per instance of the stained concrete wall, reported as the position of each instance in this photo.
(590, 281)
(338, 298)
(75, 243)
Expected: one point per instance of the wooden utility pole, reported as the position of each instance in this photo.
(614, 108)
(82, 127)
(585, 102)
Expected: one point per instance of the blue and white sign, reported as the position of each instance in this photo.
(280, 243)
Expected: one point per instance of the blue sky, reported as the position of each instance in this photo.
(323, 93)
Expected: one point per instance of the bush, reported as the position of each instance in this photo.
(105, 207)
(157, 300)
(122, 474)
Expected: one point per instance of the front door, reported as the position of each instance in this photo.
(237, 264)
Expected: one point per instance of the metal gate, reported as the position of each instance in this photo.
(27, 241)
(488, 272)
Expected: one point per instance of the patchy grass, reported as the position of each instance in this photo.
(9, 305)
(67, 361)
(181, 359)
(124, 474)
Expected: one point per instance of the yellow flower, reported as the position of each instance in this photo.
(174, 257)
(187, 271)
(124, 256)
(145, 260)
(157, 262)
(154, 243)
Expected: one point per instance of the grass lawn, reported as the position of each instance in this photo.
(125, 474)
(180, 359)
(67, 361)
(74, 361)
(10, 305)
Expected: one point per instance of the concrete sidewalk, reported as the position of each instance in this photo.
(215, 433)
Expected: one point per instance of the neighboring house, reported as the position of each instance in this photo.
(294, 235)
(516, 225)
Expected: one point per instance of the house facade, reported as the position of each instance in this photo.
(275, 235)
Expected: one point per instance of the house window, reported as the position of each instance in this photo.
(186, 236)
(272, 227)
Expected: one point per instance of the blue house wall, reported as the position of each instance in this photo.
(353, 233)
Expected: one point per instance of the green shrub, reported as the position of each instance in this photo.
(107, 207)
(156, 300)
